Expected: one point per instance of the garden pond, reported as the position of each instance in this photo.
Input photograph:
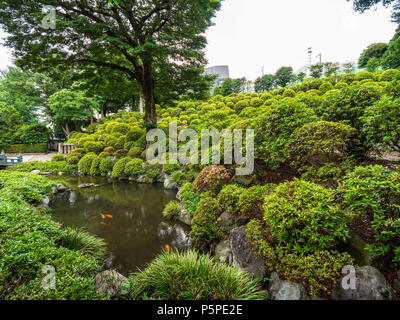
(127, 216)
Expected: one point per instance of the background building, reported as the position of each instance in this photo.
(221, 71)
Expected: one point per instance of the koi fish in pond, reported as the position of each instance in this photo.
(167, 248)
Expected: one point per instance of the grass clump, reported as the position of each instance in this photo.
(172, 210)
(191, 276)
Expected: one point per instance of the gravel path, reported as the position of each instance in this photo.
(34, 156)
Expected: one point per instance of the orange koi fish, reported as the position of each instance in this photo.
(167, 248)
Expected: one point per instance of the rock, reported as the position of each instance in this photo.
(370, 285)
(61, 188)
(169, 184)
(286, 290)
(35, 172)
(46, 201)
(223, 252)
(85, 185)
(161, 178)
(244, 256)
(45, 173)
(61, 173)
(396, 285)
(185, 217)
(229, 221)
(110, 284)
(359, 253)
(243, 180)
(145, 179)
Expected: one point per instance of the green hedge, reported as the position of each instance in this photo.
(27, 148)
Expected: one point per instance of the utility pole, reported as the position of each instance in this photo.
(320, 58)
(310, 56)
(262, 71)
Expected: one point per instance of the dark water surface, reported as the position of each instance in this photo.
(127, 216)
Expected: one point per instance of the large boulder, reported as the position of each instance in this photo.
(145, 179)
(244, 256)
(286, 290)
(109, 283)
(223, 252)
(356, 247)
(229, 221)
(243, 180)
(185, 217)
(169, 184)
(370, 285)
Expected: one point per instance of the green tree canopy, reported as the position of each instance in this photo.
(265, 83)
(375, 50)
(135, 37)
(284, 76)
(71, 109)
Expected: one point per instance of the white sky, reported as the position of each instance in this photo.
(251, 34)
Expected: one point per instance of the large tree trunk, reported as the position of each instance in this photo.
(148, 92)
(65, 128)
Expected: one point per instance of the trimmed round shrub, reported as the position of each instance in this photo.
(95, 167)
(289, 93)
(135, 152)
(106, 166)
(275, 127)
(389, 75)
(205, 228)
(58, 157)
(229, 197)
(256, 102)
(251, 200)
(92, 146)
(302, 217)
(211, 178)
(119, 167)
(134, 168)
(325, 87)
(373, 194)
(191, 276)
(75, 155)
(85, 164)
(318, 143)
(172, 210)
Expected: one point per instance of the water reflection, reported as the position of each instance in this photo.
(127, 216)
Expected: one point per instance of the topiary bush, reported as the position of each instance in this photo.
(85, 164)
(302, 217)
(229, 197)
(205, 229)
(211, 178)
(319, 143)
(382, 124)
(191, 276)
(58, 157)
(134, 168)
(251, 200)
(372, 193)
(95, 167)
(106, 166)
(274, 128)
(119, 167)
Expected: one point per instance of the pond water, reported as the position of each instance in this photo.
(127, 216)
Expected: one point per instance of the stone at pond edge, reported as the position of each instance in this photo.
(169, 184)
(185, 217)
(244, 256)
(35, 172)
(110, 284)
(223, 252)
(286, 290)
(145, 179)
(370, 285)
(85, 185)
(229, 221)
